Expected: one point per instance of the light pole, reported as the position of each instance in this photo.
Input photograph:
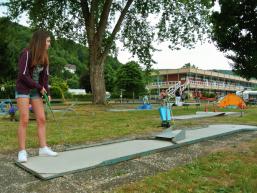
(121, 90)
(158, 85)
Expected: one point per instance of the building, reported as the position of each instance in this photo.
(199, 81)
(77, 91)
(70, 67)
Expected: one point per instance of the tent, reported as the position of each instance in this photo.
(232, 100)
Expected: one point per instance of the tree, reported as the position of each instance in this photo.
(235, 32)
(84, 81)
(109, 76)
(98, 23)
(57, 65)
(130, 77)
(189, 65)
(13, 37)
(73, 82)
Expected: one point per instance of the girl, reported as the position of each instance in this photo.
(31, 84)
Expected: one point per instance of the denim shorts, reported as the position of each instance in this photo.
(32, 95)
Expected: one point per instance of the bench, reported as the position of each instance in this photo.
(186, 105)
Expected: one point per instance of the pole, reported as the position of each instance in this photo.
(120, 95)
(133, 97)
(49, 106)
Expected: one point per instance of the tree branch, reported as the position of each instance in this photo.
(104, 19)
(93, 8)
(86, 15)
(117, 27)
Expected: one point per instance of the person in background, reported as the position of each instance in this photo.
(178, 94)
(163, 95)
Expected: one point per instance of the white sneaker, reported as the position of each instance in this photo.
(46, 151)
(22, 156)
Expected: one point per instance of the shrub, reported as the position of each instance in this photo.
(58, 82)
(7, 90)
(209, 95)
(87, 97)
(212, 95)
(73, 82)
(56, 92)
(58, 87)
(82, 97)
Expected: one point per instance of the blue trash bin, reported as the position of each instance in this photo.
(165, 113)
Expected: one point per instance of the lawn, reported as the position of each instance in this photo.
(94, 124)
(225, 171)
(87, 124)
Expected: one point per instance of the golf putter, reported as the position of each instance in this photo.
(49, 106)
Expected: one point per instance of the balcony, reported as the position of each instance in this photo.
(198, 85)
(161, 85)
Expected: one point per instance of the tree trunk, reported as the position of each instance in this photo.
(95, 34)
(97, 75)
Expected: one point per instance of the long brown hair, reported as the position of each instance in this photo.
(37, 46)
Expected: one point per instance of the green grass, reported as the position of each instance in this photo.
(90, 124)
(222, 172)
(94, 124)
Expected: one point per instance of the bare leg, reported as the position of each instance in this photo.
(23, 106)
(38, 109)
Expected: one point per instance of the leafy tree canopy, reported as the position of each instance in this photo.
(235, 32)
(182, 22)
(189, 65)
(130, 78)
(136, 23)
(13, 38)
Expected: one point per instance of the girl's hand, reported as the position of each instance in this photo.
(49, 98)
(43, 91)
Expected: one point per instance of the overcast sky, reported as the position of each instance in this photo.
(204, 56)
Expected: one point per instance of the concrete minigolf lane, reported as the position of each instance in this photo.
(72, 161)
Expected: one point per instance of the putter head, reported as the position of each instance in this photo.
(46, 99)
